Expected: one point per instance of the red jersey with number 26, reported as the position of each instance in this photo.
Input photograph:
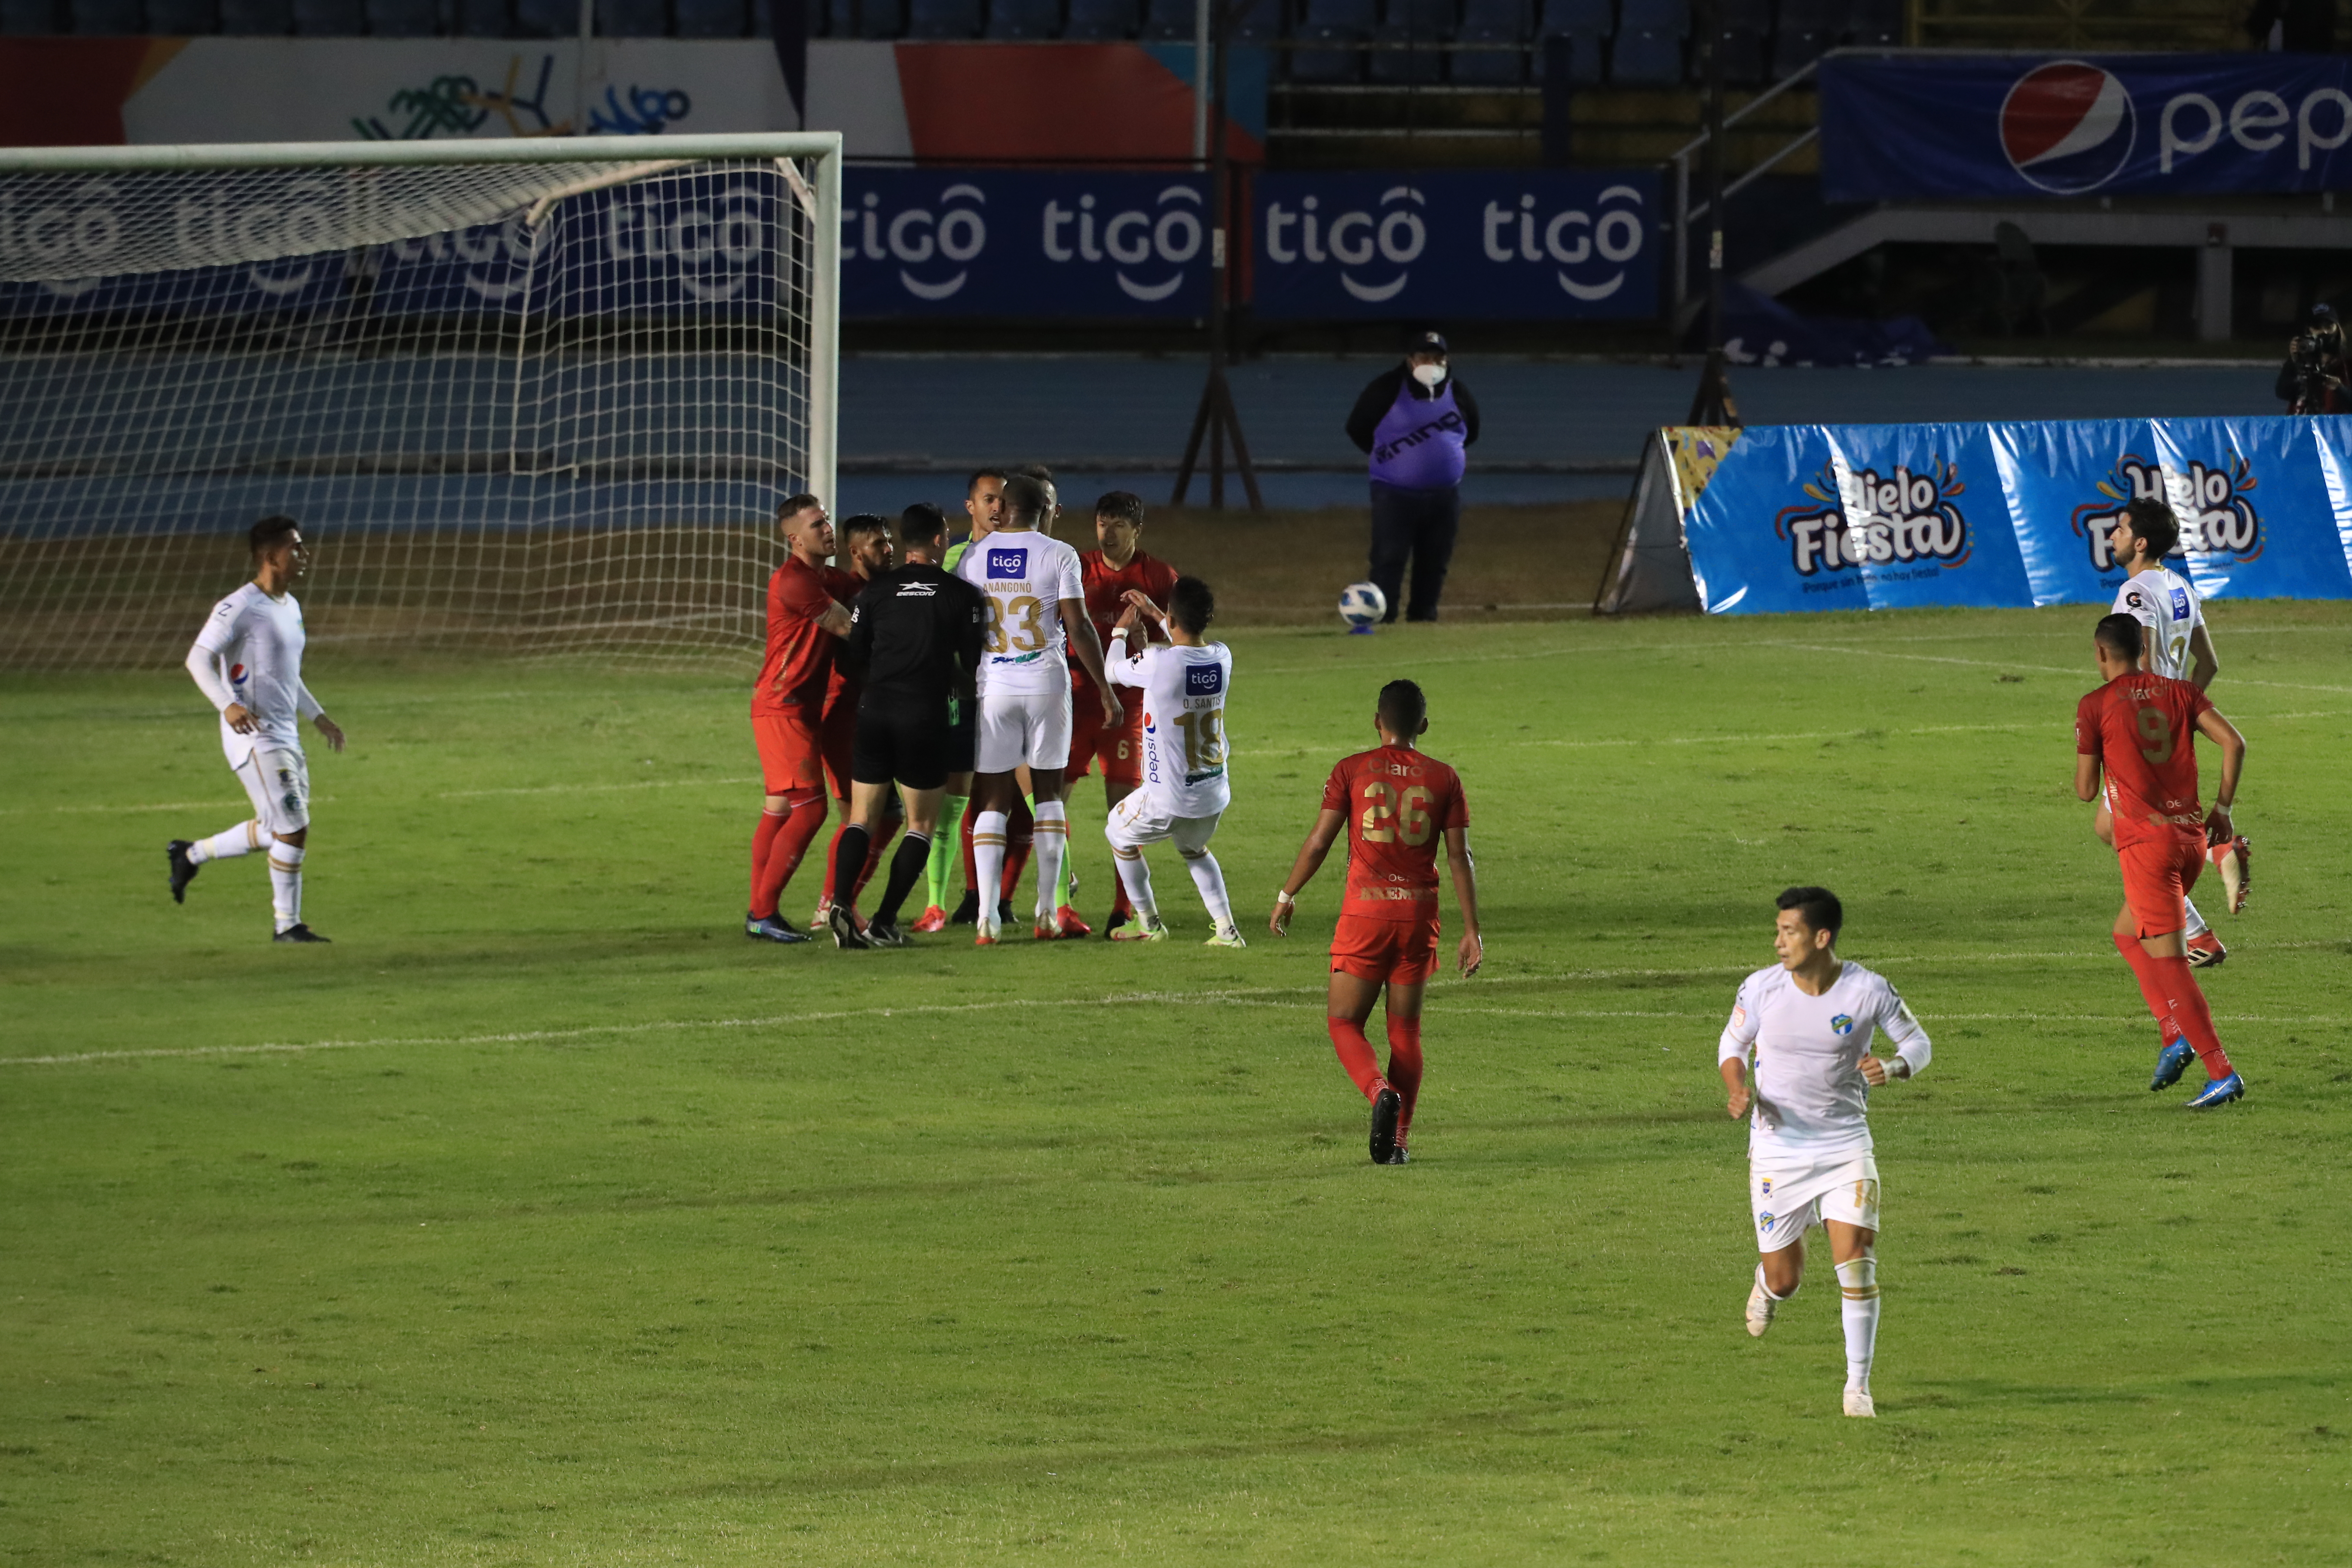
(2143, 729)
(1399, 804)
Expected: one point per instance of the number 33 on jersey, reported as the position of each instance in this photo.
(1026, 577)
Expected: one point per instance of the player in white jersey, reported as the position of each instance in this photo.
(1036, 624)
(248, 661)
(1807, 1023)
(1184, 788)
(2174, 643)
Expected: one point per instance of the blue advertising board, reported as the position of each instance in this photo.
(1024, 243)
(1463, 245)
(1811, 517)
(1945, 126)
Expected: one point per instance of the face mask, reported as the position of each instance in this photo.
(1429, 374)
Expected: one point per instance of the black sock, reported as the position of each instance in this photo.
(848, 860)
(908, 867)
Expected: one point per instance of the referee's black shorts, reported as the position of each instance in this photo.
(909, 742)
(963, 740)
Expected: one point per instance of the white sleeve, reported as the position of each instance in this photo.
(2132, 601)
(203, 668)
(1073, 582)
(1900, 1024)
(305, 704)
(1123, 667)
(1739, 1032)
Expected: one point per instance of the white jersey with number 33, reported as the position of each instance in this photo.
(1184, 725)
(1026, 575)
(2163, 602)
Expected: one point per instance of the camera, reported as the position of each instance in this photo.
(2314, 369)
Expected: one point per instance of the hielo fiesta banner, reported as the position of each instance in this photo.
(1781, 518)
(1462, 245)
(1944, 126)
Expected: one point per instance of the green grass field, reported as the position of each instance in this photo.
(543, 1218)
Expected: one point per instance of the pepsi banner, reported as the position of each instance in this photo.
(1915, 127)
(1538, 244)
(1780, 518)
(998, 242)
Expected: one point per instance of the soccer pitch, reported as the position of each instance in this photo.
(544, 1218)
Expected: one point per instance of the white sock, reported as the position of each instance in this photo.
(988, 830)
(1050, 839)
(1858, 1283)
(285, 883)
(1210, 877)
(2197, 926)
(1136, 878)
(1767, 1289)
(242, 840)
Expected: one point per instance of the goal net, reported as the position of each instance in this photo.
(532, 396)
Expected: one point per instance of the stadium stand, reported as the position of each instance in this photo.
(323, 18)
(942, 18)
(710, 19)
(1649, 45)
(109, 17)
(391, 18)
(1414, 24)
(1024, 20)
(1328, 35)
(1493, 22)
(1100, 21)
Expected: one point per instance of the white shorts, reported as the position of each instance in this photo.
(1786, 1197)
(279, 783)
(1134, 823)
(1023, 729)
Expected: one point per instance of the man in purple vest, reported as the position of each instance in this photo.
(1414, 422)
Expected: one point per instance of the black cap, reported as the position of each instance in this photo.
(2323, 315)
(1426, 343)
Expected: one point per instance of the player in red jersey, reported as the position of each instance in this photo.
(806, 621)
(2140, 730)
(1107, 574)
(864, 543)
(1397, 806)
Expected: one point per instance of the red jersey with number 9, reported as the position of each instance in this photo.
(1399, 804)
(2143, 729)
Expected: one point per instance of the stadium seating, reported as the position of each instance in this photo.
(1792, 50)
(546, 18)
(183, 18)
(1099, 21)
(396, 18)
(1648, 50)
(324, 19)
(1166, 21)
(482, 18)
(1327, 31)
(109, 17)
(1412, 22)
(936, 18)
(632, 18)
(1875, 24)
(23, 18)
(1588, 25)
(256, 18)
(1025, 20)
(710, 19)
(1493, 22)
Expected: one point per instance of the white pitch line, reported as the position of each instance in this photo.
(596, 788)
(2083, 670)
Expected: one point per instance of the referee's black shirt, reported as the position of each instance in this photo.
(916, 632)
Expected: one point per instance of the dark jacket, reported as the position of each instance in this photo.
(1380, 397)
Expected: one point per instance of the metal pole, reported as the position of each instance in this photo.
(1220, 208)
(1682, 228)
(580, 67)
(1200, 29)
(825, 333)
(1712, 405)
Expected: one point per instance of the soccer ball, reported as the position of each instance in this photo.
(1362, 604)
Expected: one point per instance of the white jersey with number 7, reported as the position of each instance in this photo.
(1026, 575)
(1184, 725)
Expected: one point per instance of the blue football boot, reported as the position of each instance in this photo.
(2170, 1063)
(2218, 1091)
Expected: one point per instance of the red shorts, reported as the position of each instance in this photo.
(790, 755)
(1393, 953)
(836, 738)
(2157, 875)
(1121, 749)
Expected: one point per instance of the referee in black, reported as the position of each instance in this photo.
(915, 635)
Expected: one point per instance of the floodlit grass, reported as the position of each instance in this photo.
(543, 1218)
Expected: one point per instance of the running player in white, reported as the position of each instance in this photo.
(1184, 788)
(248, 661)
(1807, 1021)
(2174, 643)
(1036, 622)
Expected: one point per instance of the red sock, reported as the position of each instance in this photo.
(763, 837)
(2179, 983)
(1355, 1054)
(1020, 834)
(784, 854)
(874, 854)
(2151, 988)
(1119, 904)
(1404, 1066)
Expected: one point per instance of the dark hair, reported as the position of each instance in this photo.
(2120, 635)
(1817, 907)
(863, 525)
(268, 532)
(1038, 471)
(801, 503)
(972, 483)
(1024, 500)
(1191, 605)
(1125, 505)
(922, 524)
(2153, 521)
(1402, 708)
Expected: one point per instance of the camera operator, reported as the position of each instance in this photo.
(2313, 377)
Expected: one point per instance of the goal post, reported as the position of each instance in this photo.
(534, 396)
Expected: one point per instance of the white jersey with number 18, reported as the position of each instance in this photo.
(2163, 602)
(1026, 575)
(1184, 742)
